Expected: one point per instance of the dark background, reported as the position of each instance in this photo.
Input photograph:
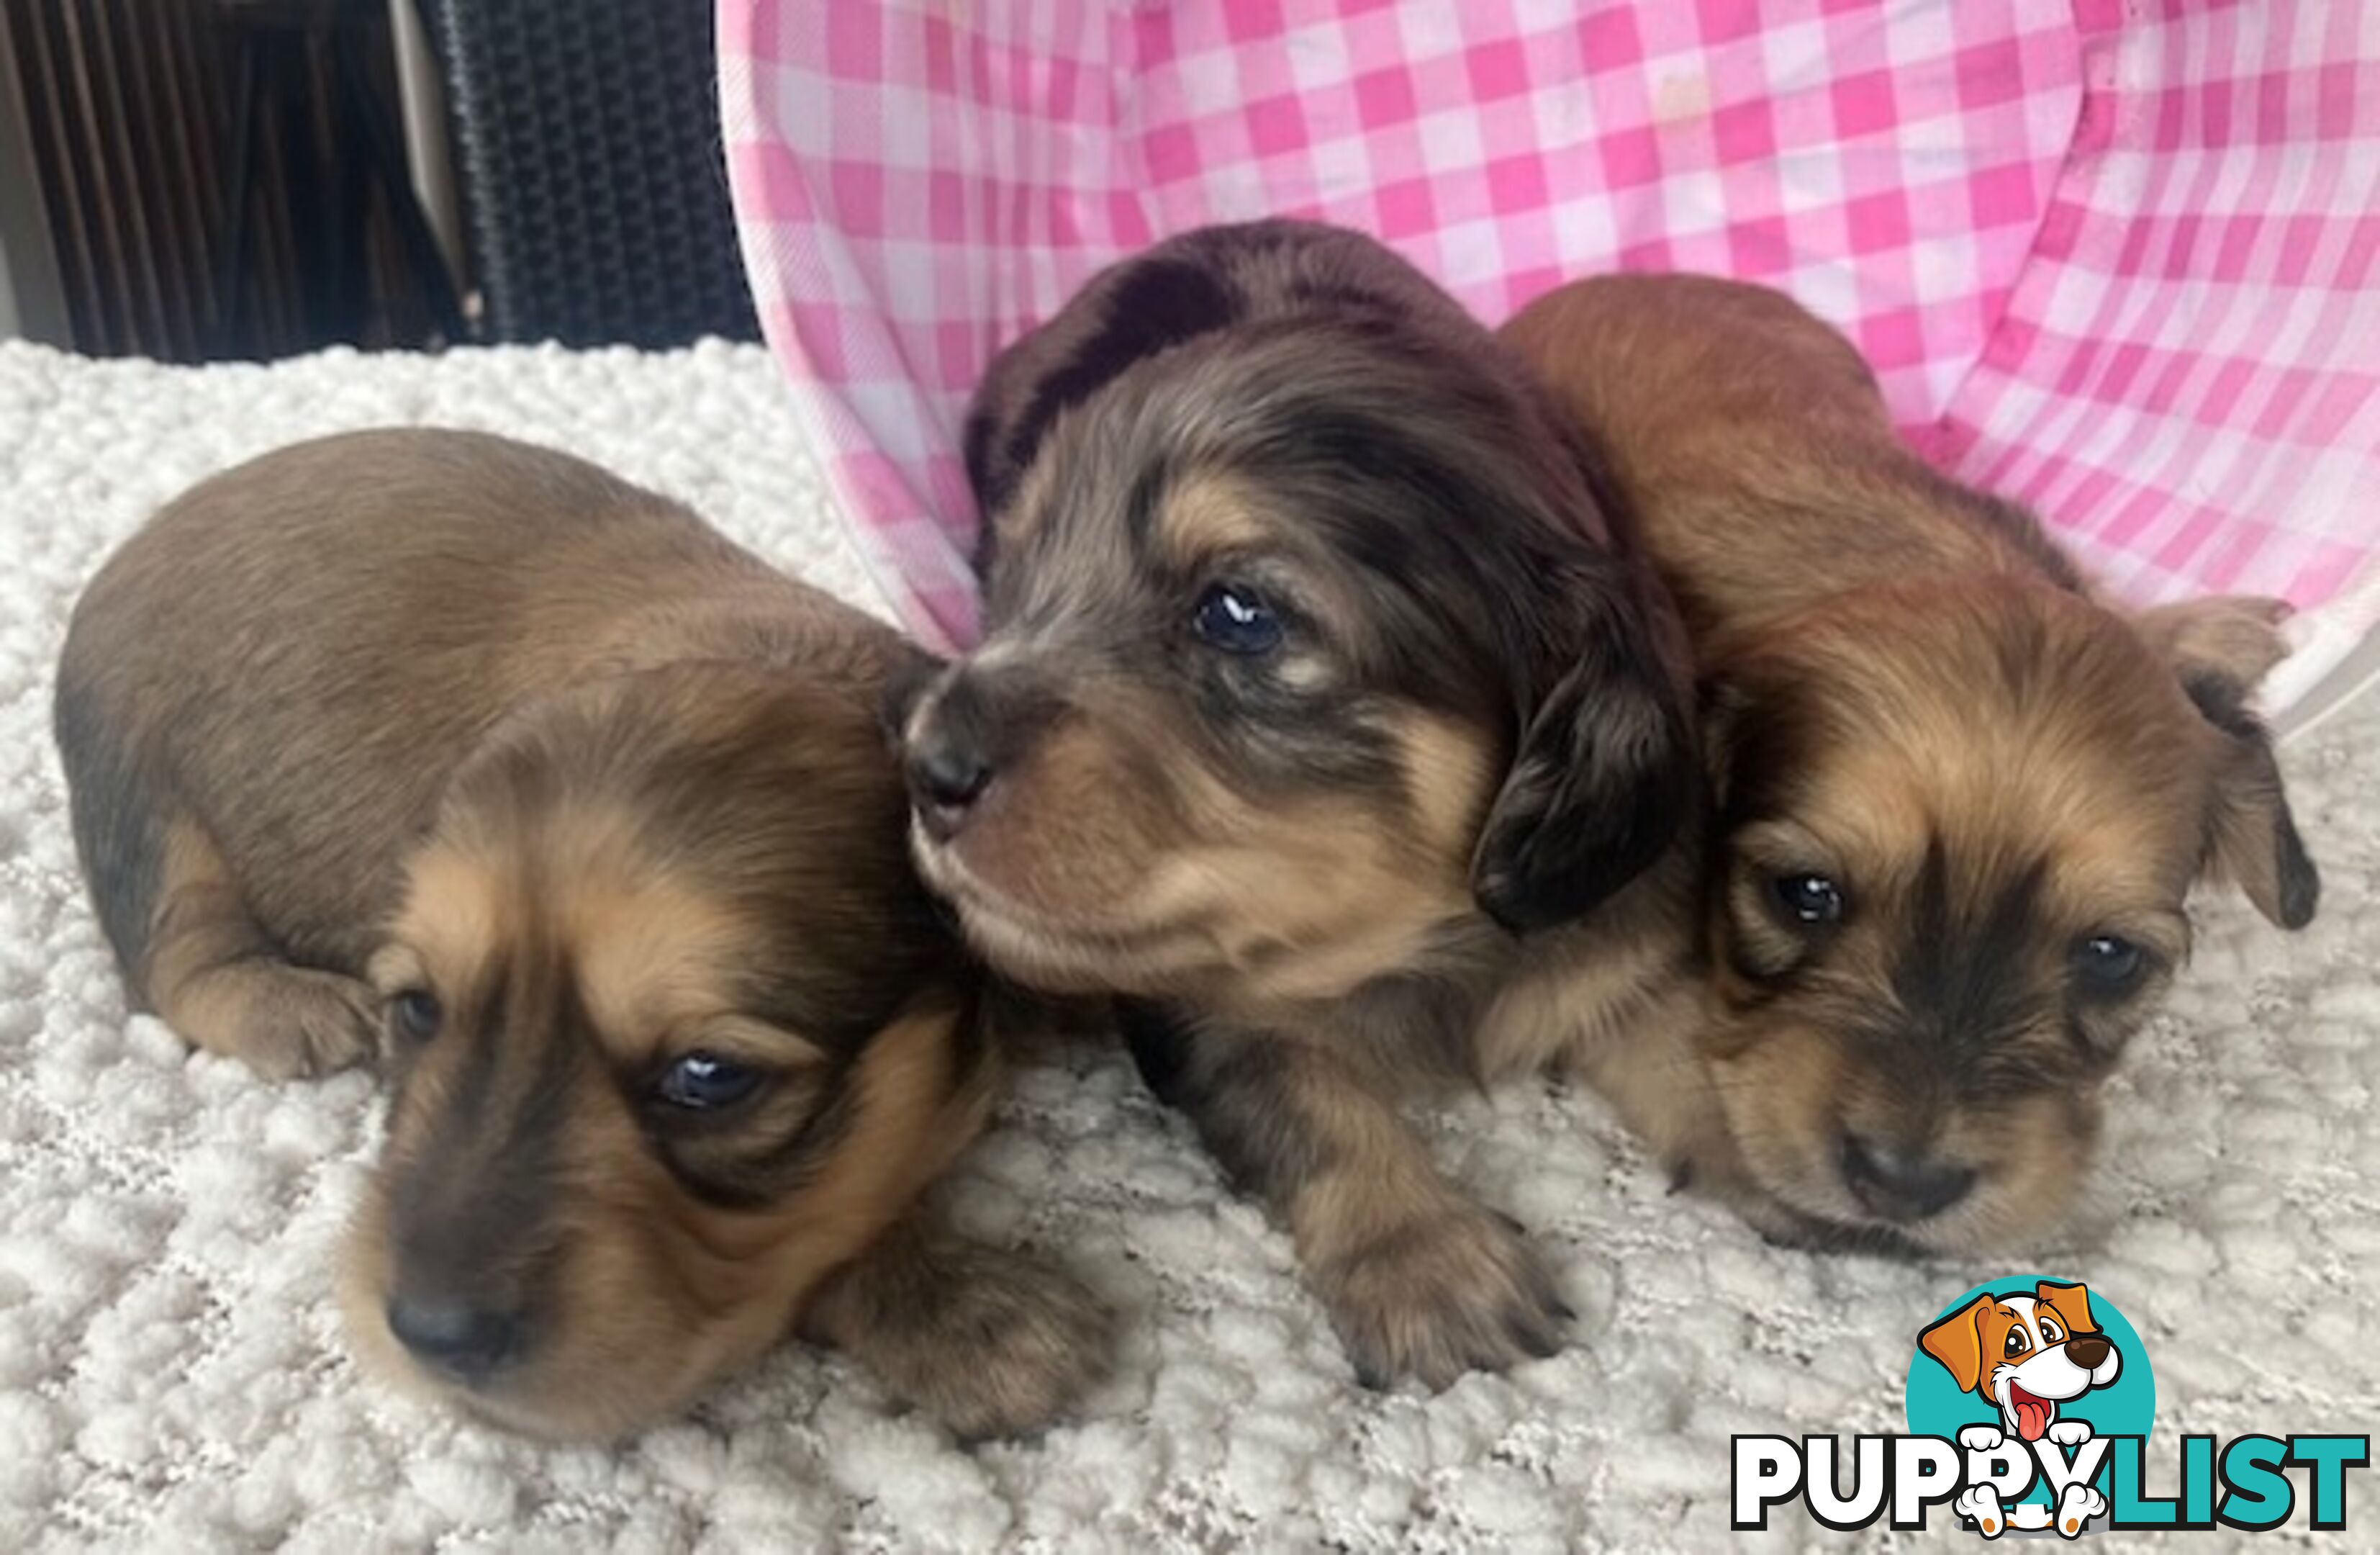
(205, 180)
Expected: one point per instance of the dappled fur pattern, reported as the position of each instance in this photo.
(459, 755)
(1317, 869)
(2007, 781)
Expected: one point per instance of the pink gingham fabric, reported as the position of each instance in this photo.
(2111, 258)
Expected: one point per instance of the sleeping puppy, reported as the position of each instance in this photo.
(1959, 794)
(1321, 716)
(461, 754)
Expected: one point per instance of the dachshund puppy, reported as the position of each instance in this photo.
(1959, 795)
(461, 754)
(1321, 710)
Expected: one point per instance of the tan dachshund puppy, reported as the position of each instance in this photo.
(1323, 716)
(1959, 795)
(441, 748)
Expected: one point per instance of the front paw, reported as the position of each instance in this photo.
(1455, 1291)
(2070, 1433)
(989, 1343)
(307, 1022)
(1980, 1438)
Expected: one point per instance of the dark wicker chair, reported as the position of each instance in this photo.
(594, 189)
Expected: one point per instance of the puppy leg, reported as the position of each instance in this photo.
(989, 1343)
(1418, 1280)
(215, 977)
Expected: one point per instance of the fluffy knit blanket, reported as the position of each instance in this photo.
(172, 1375)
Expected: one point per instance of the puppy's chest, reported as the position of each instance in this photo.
(1500, 1009)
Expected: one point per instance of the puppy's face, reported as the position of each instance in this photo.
(676, 1036)
(2026, 1354)
(1297, 651)
(1957, 829)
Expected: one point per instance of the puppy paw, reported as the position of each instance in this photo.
(1980, 1438)
(306, 1022)
(1452, 1293)
(989, 1343)
(2076, 1506)
(2070, 1433)
(1981, 1505)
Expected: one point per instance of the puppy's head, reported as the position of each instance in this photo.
(1302, 644)
(1955, 828)
(676, 1033)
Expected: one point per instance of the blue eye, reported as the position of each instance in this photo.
(1236, 620)
(2108, 965)
(1810, 899)
(415, 1015)
(704, 1082)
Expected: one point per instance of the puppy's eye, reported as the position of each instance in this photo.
(2108, 966)
(414, 1015)
(2050, 1333)
(1236, 619)
(704, 1082)
(1810, 899)
(2017, 1344)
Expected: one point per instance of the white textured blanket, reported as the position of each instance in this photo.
(172, 1375)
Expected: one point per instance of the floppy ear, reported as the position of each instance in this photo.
(1605, 773)
(2071, 1302)
(2220, 649)
(1958, 1343)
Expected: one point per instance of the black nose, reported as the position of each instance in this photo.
(1901, 1183)
(472, 1342)
(2087, 1350)
(948, 771)
(950, 756)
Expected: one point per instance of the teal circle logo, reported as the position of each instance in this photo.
(2021, 1356)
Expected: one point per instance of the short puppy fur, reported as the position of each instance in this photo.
(1959, 794)
(1323, 716)
(461, 754)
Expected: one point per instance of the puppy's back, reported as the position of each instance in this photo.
(1749, 435)
(296, 652)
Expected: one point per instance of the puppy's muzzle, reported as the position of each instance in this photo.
(1900, 1182)
(966, 733)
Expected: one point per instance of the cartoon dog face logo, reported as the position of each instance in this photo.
(2026, 1354)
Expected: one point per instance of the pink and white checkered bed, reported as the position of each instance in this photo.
(2114, 259)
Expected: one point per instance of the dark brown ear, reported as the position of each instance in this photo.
(1126, 314)
(1605, 774)
(2251, 839)
(2220, 649)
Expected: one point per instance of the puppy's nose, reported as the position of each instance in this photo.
(2088, 1350)
(1901, 1183)
(948, 771)
(470, 1343)
(951, 752)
